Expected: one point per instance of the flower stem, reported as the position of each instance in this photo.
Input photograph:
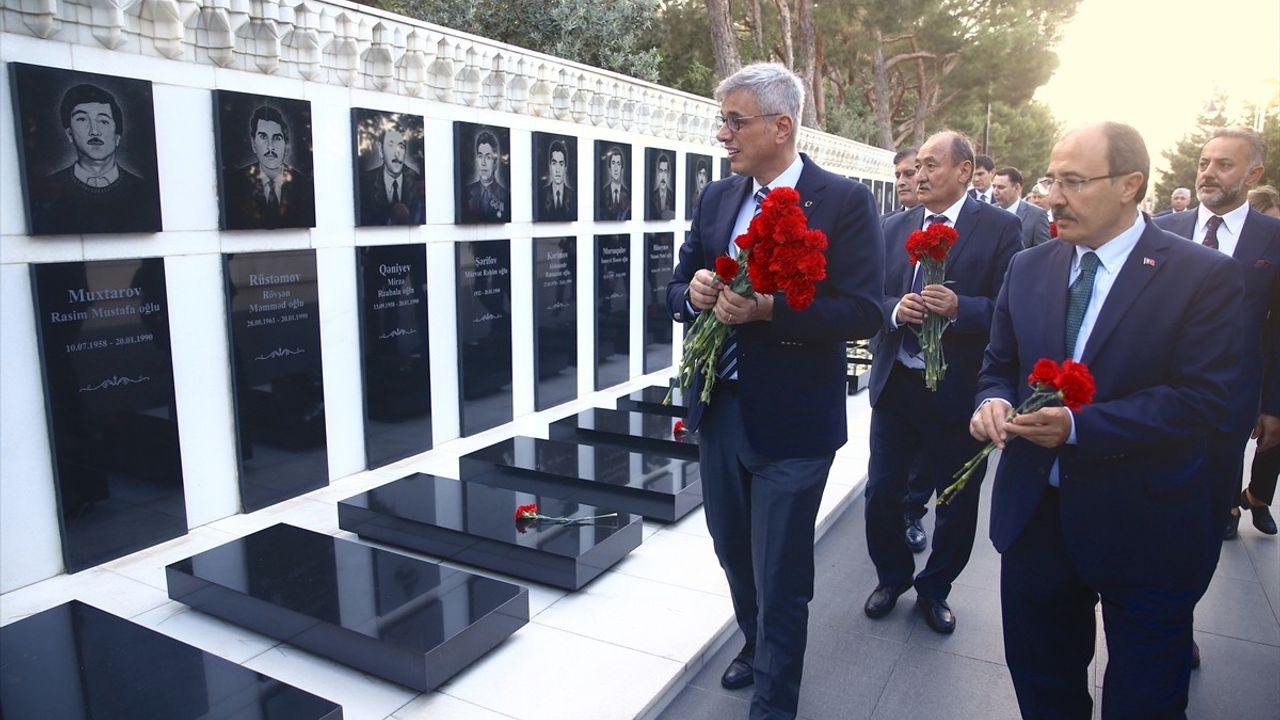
(1038, 399)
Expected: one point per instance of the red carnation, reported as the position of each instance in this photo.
(1076, 385)
(726, 269)
(678, 430)
(1045, 373)
(1053, 229)
(527, 512)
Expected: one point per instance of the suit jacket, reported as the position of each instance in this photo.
(792, 372)
(246, 206)
(988, 237)
(476, 210)
(608, 209)
(1135, 493)
(1035, 224)
(547, 210)
(376, 210)
(1257, 388)
(659, 210)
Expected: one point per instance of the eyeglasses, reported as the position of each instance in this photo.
(737, 123)
(1074, 185)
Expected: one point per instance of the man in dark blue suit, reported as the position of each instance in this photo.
(911, 425)
(777, 415)
(1230, 162)
(1110, 501)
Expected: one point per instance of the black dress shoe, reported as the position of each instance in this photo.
(883, 599)
(917, 539)
(739, 674)
(938, 615)
(1233, 527)
(1261, 515)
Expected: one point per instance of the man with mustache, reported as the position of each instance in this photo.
(486, 200)
(95, 193)
(269, 193)
(1109, 502)
(392, 193)
(615, 198)
(662, 200)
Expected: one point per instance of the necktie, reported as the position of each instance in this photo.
(1078, 299)
(557, 199)
(615, 197)
(728, 363)
(910, 342)
(1211, 231)
(273, 201)
(395, 192)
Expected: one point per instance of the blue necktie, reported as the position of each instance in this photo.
(910, 342)
(1078, 299)
(728, 363)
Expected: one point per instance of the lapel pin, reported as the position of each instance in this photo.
(1150, 262)
(808, 203)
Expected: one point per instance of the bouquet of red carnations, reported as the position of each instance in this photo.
(929, 248)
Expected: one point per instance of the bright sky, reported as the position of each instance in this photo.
(1155, 64)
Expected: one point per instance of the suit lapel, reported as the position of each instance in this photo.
(1250, 246)
(810, 187)
(914, 221)
(1143, 263)
(1184, 224)
(966, 223)
(1055, 298)
(734, 196)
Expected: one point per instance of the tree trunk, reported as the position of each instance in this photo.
(757, 25)
(808, 62)
(724, 45)
(819, 80)
(880, 93)
(788, 46)
(924, 98)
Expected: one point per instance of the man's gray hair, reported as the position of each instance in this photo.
(1257, 146)
(777, 89)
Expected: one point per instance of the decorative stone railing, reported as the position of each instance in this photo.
(342, 43)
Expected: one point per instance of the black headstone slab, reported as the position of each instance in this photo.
(649, 484)
(649, 400)
(74, 662)
(613, 310)
(395, 617)
(632, 430)
(555, 321)
(484, 334)
(397, 369)
(108, 374)
(274, 310)
(475, 524)
(659, 261)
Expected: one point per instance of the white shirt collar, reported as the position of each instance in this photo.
(1234, 220)
(787, 178)
(103, 179)
(1115, 251)
(1012, 208)
(952, 213)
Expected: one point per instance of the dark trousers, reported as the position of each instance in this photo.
(903, 434)
(1262, 476)
(1049, 631)
(919, 491)
(761, 512)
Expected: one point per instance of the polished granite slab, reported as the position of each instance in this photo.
(649, 400)
(622, 428)
(76, 662)
(400, 618)
(649, 484)
(475, 524)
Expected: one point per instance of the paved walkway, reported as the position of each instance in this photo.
(898, 668)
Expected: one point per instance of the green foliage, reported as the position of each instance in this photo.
(602, 33)
(1021, 135)
(681, 34)
(851, 120)
(1271, 134)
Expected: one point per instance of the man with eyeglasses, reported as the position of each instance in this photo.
(777, 414)
(1110, 502)
(912, 426)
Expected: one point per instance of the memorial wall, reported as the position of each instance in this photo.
(249, 248)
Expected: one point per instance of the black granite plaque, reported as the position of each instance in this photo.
(649, 400)
(400, 618)
(659, 184)
(651, 432)
(725, 168)
(108, 374)
(659, 261)
(475, 524)
(273, 306)
(397, 371)
(697, 175)
(484, 334)
(654, 485)
(555, 321)
(74, 662)
(613, 310)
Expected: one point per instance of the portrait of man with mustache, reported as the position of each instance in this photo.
(270, 192)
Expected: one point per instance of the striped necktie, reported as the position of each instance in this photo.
(1078, 299)
(1211, 231)
(728, 363)
(910, 342)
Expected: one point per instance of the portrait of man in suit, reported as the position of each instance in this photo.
(914, 429)
(556, 199)
(614, 199)
(777, 412)
(1006, 186)
(697, 177)
(661, 201)
(1157, 320)
(84, 172)
(484, 199)
(269, 192)
(391, 190)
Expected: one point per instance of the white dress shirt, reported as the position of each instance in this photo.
(916, 362)
(1228, 231)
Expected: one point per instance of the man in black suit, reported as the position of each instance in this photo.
(777, 413)
(487, 199)
(615, 197)
(1179, 201)
(983, 167)
(662, 198)
(911, 425)
(1006, 185)
(392, 193)
(269, 193)
(556, 198)
(904, 182)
